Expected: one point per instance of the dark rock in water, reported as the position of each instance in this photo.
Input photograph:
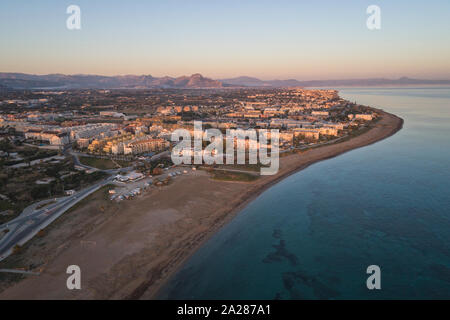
(281, 253)
(276, 233)
(299, 281)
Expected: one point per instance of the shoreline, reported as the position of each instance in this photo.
(131, 250)
(154, 292)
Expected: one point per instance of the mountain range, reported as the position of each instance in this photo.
(254, 82)
(30, 81)
(195, 81)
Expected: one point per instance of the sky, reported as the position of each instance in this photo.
(278, 39)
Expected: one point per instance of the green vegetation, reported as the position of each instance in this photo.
(20, 187)
(154, 167)
(6, 206)
(35, 153)
(245, 167)
(83, 179)
(223, 175)
(102, 164)
(29, 154)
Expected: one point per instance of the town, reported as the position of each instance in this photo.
(56, 143)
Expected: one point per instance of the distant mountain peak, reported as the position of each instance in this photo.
(29, 81)
(198, 81)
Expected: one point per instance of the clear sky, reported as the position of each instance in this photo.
(314, 39)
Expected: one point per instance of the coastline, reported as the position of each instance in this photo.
(154, 292)
(132, 249)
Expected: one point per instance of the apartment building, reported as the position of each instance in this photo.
(54, 138)
(307, 133)
(320, 113)
(147, 145)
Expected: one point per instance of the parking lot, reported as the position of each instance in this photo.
(126, 190)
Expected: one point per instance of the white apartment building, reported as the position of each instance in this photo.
(320, 113)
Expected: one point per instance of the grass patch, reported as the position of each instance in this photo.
(6, 205)
(233, 176)
(102, 164)
(247, 167)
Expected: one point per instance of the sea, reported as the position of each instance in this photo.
(314, 234)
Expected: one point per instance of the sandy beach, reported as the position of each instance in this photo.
(129, 250)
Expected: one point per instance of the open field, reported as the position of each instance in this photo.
(36, 253)
(102, 164)
(222, 175)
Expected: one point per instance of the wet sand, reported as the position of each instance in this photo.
(129, 250)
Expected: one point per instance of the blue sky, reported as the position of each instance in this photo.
(320, 39)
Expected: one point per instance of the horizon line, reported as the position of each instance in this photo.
(224, 78)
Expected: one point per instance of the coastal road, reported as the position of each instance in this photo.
(26, 226)
(32, 220)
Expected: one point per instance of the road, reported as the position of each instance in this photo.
(76, 159)
(28, 224)
(19, 272)
(32, 220)
(159, 155)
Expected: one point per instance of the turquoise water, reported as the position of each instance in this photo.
(313, 235)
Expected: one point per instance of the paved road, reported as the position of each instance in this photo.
(25, 227)
(159, 155)
(19, 271)
(76, 159)
(32, 220)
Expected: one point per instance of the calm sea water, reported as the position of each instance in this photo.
(313, 235)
